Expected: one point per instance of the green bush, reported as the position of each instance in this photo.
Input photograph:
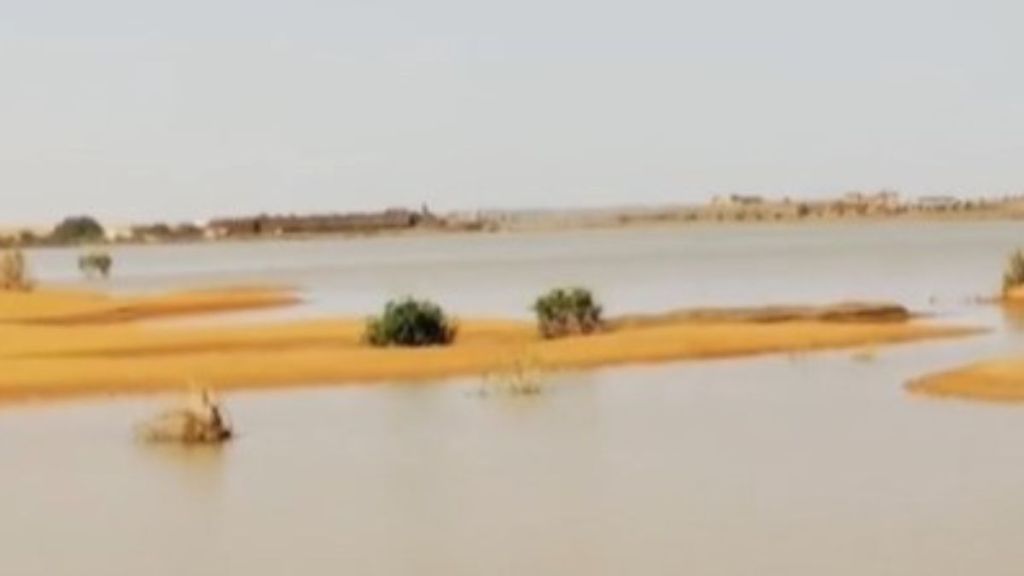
(96, 263)
(1014, 275)
(14, 271)
(410, 322)
(566, 311)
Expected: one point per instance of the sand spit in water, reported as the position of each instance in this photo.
(993, 380)
(64, 344)
(49, 307)
(843, 312)
(1000, 380)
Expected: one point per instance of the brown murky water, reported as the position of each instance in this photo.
(797, 465)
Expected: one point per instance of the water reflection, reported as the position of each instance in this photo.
(199, 469)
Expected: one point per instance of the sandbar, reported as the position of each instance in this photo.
(67, 344)
(998, 380)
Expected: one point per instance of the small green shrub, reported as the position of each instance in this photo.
(566, 311)
(1014, 275)
(410, 322)
(14, 271)
(96, 263)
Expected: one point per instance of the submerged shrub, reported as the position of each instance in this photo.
(14, 271)
(410, 322)
(1014, 275)
(567, 311)
(96, 263)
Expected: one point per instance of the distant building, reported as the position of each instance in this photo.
(118, 234)
(736, 200)
(937, 202)
(278, 225)
(888, 198)
(874, 201)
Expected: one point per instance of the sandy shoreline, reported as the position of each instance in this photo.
(70, 344)
(770, 213)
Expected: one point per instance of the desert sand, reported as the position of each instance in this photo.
(58, 344)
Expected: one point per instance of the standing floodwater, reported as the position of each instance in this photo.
(807, 464)
(918, 264)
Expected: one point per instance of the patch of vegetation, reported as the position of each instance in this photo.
(567, 311)
(410, 323)
(96, 263)
(521, 377)
(866, 354)
(1014, 274)
(201, 421)
(14, 271)
(76, 229)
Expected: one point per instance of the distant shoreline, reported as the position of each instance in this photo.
(506, 222)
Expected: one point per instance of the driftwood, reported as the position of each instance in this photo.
(200, 421)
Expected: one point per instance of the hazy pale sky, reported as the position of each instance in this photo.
(133, 109)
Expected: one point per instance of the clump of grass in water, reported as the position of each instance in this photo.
(1013, 277)
(96, 263)
(14, 274)
(200, 420)
(521, 377)
(866, 354)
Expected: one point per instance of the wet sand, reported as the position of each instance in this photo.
(999, 380)
(65, 344)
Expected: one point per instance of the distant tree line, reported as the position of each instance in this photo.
(85, 230)
(72, 230)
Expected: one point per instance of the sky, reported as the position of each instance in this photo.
(153, 110)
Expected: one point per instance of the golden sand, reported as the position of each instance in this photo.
(69, 307)
(993, 380)
(60, 344)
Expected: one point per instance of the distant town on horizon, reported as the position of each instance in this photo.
(728, 208)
